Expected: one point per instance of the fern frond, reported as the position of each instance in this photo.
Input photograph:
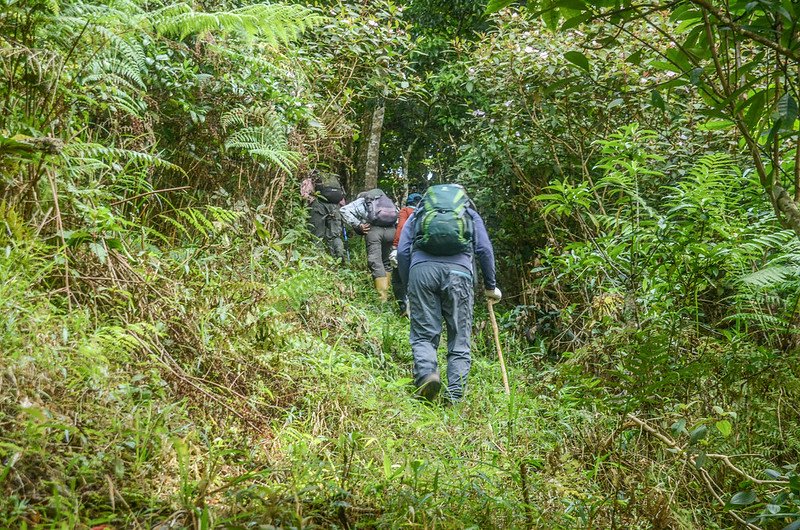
(771, 277)
(243, 117)
(273, 23)
(179, 226)
(132, 51)
(102, 152)
(767, 241)
(267, 142)
(287, 160)
(223, 216)
(760, 318)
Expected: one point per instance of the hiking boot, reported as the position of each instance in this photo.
(429, 386)
(382, 286)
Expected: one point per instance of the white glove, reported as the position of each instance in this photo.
(393, 258)
(493, 294)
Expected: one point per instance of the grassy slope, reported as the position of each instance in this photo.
(269, 388)
(284, 401)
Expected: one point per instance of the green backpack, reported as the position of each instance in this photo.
(442, 226)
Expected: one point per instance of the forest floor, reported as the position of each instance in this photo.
(274, 391)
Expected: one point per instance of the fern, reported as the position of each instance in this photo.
(273, 23)
(129, 55)
(192, 220)
(771, 277)
(266, 141)
(102, 152)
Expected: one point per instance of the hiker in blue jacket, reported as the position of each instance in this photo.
(437, 270)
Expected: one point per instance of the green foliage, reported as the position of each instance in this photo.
(275, 24)
(736, 57)
(175, 352)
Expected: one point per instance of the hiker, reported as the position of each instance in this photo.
(324, 195)
(435, 257)
(373, 215)
(398, 288)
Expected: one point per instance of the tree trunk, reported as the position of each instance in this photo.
(373, 146)
(406, 166)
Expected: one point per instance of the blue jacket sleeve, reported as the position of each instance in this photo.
(404, 250)
(484, 251)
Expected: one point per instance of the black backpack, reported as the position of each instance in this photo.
(442, 225)
(328, 189)
(381, 211)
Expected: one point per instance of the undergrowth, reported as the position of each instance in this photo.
(231, 401)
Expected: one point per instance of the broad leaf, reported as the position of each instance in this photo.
(578, 59)
(743, 498)
(724, 427)
(496, 5)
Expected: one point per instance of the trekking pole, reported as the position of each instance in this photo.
(346, 242)
(490, 303)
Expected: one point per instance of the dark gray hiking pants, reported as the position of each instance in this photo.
(325, 222)
(436, 292)
(379, 245)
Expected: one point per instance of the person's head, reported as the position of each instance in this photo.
(413, 199)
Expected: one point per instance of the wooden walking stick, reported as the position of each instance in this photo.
(497, 346)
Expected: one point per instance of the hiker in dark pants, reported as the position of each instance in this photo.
(373, 215)
(324, 196)
(435, 257)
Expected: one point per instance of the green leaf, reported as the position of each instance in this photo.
(724, 427)
(634, 58)
(787, 111)
(679, 427)
(657, 101)
(715, 125)
(496, 5)
(771, 473)
(698, 434)
(743, 498)
(575, 21)
(756, 110)
(578, 59)
(578, 5)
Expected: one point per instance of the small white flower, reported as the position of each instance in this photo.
(478, 113)
(507, 103)
(528, 49)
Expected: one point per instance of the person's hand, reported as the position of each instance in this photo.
(493, 294)
(393, 258)
(364, 227)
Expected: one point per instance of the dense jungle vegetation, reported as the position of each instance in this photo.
(176, 351)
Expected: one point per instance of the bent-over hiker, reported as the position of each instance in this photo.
(373, 214)
(325, 195)
(435, 257)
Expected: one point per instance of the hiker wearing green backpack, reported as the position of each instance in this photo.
(435, 262)
(373, 215)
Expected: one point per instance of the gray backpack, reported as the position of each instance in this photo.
(380, 209)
